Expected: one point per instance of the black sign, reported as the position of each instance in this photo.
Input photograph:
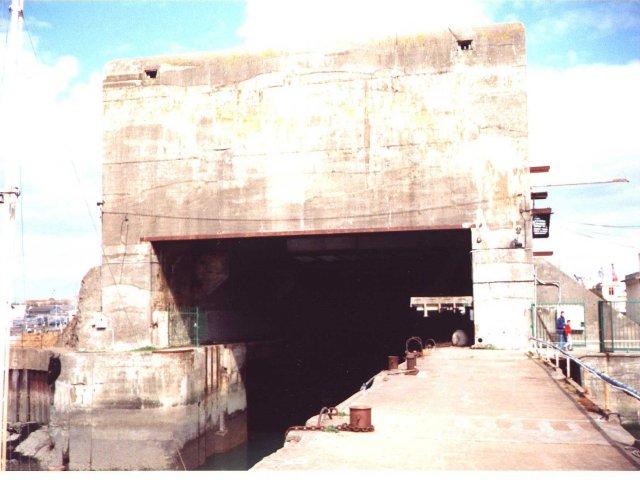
(541, 223)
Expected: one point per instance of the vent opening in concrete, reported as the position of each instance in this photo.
(151, 72)
(465, 44)
(320, 314)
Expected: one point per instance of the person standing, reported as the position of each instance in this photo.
(567, 334)
(560, 324)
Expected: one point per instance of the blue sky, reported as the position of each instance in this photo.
(584, 72)
(96, 32)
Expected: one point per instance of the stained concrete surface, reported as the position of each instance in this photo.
(389, 135)
(466, 410)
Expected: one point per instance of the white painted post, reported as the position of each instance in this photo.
(557, 359)
(568, 367)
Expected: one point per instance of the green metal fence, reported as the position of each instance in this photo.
(184, 327)
(619, 326)
(543, 321)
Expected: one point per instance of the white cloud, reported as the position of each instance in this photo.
(56, 263)
(297, 25)
(583, 124)
(32, 22)
(583, 120)
(51, 122)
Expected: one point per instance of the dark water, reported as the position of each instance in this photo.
(245, 456)
(19, 463)
(633, 429)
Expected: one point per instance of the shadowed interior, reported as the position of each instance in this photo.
(324, 311)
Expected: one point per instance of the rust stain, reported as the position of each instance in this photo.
(588, 404)
(561, 426)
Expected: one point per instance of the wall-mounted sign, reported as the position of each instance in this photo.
(540, 220)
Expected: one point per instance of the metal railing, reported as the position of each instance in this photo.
(557, 353)
(543, 321)
(184, 327)
(619, 326)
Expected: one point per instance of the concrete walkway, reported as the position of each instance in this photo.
(466, 409)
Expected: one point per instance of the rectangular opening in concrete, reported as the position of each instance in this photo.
(465, 44)
(330, 309)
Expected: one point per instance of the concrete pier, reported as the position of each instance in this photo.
(465, 410)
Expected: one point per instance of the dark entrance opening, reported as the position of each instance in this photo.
(333, 307)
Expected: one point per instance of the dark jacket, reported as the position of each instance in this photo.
(560, 323)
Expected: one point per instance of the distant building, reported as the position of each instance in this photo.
(612, 289)
(18, 312)
(46, 315)
(632, 282)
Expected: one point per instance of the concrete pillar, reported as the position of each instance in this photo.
(503, 291)
(124, 321)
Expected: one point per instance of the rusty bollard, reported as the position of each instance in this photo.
(393, 362)
(359, 416)
(411, 361)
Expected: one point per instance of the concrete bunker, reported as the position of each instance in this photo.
(225, 208)
(319, 313)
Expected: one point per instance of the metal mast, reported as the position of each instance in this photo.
(9, 193)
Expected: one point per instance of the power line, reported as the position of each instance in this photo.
(635, 247)
(295, 219)
(24, 265)
(95, 228)
(33, 48)
(604, 235)
(89, 212)
(605, 225)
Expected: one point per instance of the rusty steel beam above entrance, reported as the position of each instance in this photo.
(539, 169)
(300, 233)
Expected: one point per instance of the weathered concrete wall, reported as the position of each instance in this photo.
(503, 291)
(624, 367)
(29, 359)
(407, 133)
(149, 410)
(571, 292)
(81, 333)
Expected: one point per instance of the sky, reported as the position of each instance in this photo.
(583, 101)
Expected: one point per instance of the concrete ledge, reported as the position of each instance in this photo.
(29, 359)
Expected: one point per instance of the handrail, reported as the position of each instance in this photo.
(611, 381)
